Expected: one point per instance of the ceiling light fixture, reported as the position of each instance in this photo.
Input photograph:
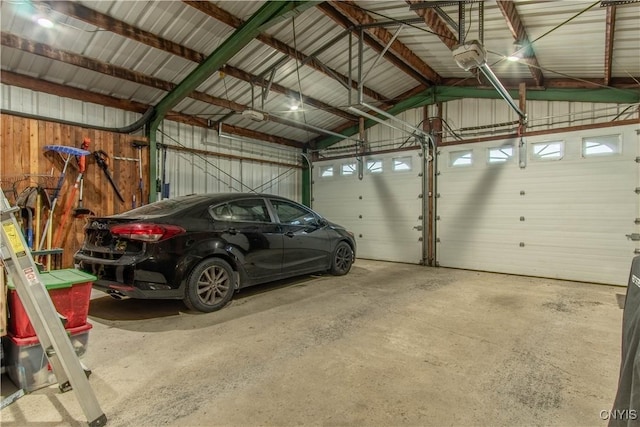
(42, 16)
(514, 57)
(44, 22)
(517, 53)
(294, 107)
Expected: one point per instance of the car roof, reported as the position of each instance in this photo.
(225, 197)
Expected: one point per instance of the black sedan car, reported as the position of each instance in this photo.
(202, 248)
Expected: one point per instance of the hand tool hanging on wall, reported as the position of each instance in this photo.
(57, 240)
(69, 151)
(28, 201)
(129, 159)
(138, 146)
(102, 159)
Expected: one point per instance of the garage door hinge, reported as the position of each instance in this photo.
(636, 251)
(418, 227)
(633, 236)
(637, 159)
(637, 221)
(637, 190)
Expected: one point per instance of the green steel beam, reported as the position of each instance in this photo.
(449, 93)
(306, 184)
(269, 14)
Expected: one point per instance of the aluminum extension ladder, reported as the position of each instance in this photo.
(46, 322)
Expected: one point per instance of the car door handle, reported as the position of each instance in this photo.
(232, 231)
(289, 234)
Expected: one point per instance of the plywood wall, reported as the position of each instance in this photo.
(24, 162)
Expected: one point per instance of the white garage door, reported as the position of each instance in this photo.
(383, 209)
(565, 213)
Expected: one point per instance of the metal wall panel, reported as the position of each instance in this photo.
(189, 173)
(563, 218)
(29, 102)
(541, 115)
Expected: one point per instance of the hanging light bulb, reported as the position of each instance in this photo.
(42, 16)
(516, 55)
(45, 22)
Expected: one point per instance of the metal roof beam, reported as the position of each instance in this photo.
(38, 85)
(450, 93)
(608, 43)
(330, 10)
(357, 15)
(248, 77)
(269, 12)
(40, 49)
(123, 29)
(435, 23)
(519, 33)
(234, 22)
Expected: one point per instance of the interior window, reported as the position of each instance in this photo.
(348, 169)
(292, 214)
(553, 150)
(326, 171)
(601, 145)
(374, 166)
(500, 154)
(252, 210)
(402, 164)
(461, 158)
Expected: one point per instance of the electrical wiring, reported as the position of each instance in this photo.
(207, 162)
(399, 21)
(295, 47)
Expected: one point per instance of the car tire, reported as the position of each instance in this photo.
(342, 259)
(210, 286)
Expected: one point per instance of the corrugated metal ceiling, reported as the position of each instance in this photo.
(569, 42)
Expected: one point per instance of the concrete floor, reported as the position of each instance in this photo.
(387, 345)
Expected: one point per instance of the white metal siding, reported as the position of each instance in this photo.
(249, 170)
(563, 218)
(382, 210)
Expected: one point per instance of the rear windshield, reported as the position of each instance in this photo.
(162, 207)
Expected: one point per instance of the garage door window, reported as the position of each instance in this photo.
(348, 169)
(326, 171)
(606, 145)
(374, 166)
(402, 164)
(547, 150)
(500, 154)
(461, 158)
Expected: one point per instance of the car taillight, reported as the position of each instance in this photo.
(146, 232)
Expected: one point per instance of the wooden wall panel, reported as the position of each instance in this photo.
(25, 163)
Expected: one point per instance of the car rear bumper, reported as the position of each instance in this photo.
(117, 290)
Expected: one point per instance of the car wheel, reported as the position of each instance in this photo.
(210, 286)
(342, 259)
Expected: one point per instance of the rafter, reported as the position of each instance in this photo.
(40, 49)
(235, 22)
(39, 85)
(356, 14)
(436, 24)
(608, 43)
(123, 29)
(332, 12)
(248, 77)
(519, 33)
